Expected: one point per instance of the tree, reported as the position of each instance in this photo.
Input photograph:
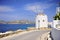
(57, 16)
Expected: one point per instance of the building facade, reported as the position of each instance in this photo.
(56, 21)
(41, 21)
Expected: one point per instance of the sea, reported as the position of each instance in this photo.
(14, 27)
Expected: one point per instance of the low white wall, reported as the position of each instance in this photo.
(55, 23)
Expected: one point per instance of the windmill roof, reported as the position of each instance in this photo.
(41, 14)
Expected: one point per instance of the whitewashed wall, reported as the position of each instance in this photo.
(56, 23)
(41, 23)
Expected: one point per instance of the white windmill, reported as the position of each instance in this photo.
(41, 19)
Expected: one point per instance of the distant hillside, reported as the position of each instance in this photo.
(2, 22)
(17, 22)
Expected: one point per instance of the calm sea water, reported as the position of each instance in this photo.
(13, 27)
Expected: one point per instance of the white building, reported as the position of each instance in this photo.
(58, 9)
(56, 23)
(41, 21)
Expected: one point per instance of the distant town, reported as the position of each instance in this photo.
(17, 22)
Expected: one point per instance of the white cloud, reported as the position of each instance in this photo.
(34, 8)
(6, 9)
(9, 16)
(37, 7)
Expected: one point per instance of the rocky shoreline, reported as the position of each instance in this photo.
(10, 33)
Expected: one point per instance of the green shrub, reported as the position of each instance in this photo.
(57, 16)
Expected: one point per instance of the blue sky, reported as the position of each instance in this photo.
(26, 9)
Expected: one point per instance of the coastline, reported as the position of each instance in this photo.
(20, 32)
(42, 37)
(10, 34)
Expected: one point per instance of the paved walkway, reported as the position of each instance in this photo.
(34, 35)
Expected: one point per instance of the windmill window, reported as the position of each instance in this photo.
(43, 20)
(38, 20)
